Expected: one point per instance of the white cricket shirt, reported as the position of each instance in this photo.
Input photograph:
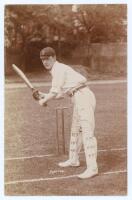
(64, 77)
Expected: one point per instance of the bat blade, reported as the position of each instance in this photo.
(23, 76)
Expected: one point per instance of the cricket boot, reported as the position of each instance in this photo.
(88, 173)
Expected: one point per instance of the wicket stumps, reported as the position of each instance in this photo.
(61, 111)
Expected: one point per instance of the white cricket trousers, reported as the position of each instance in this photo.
(82, 129)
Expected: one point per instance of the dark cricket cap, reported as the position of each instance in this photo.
(46, 52)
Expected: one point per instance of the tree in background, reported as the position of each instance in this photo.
(99, 24)
(29, 27)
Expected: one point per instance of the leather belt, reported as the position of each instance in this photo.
(74, 90)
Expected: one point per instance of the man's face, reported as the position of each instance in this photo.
(48, 62)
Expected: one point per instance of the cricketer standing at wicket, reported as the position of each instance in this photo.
(66, 80)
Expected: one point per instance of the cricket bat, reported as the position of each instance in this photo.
(23, 77)
(36, 94)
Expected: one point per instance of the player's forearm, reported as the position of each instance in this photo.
(49, 96)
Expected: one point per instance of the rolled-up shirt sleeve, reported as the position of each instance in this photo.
(58, 80)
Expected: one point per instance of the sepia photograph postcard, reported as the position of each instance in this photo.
(65, 99)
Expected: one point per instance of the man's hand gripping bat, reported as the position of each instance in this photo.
(35, 93)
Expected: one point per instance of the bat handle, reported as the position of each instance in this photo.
(33, 91)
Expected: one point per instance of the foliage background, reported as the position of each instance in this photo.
(67, 28)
